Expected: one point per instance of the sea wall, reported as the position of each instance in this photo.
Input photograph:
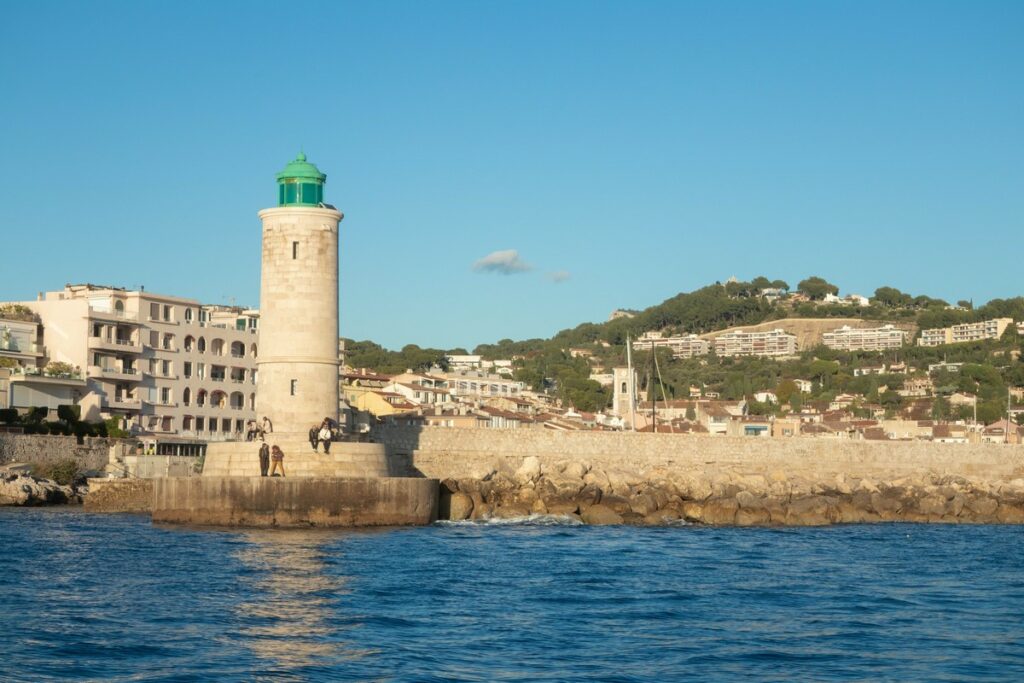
(92, 454)
(295, 501)
(119, 495)
(657, 478)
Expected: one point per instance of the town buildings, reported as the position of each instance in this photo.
(968, 332)
(768, 343)
(848, 338)
(165, 367)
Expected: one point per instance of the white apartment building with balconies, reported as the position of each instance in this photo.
(26, 379)
(475, 384)
(848, 338)
(968, 332)
(682, 346)
(170, 368)
(768, 343)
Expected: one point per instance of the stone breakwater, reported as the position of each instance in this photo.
(623, 477)
(722, 496)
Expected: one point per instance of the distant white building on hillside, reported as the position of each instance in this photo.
(847, 338)
(776, 342)
(681, 346)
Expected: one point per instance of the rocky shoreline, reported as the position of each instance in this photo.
(723, 497)
(18, 488)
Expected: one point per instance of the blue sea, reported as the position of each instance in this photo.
(114, 598)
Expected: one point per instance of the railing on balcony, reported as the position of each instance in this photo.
(41, 372)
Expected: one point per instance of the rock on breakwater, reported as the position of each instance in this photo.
(726, 496)
(18, 488)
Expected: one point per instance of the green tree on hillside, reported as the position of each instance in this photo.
(816, 287)
(890, 297)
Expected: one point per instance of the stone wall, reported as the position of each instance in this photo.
(442, 453)
(295, 502)
(119, 495)
(92, 454)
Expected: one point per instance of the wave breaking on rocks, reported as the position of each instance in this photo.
(722, 496)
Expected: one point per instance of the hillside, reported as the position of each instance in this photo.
(548, 364)
(809, 331)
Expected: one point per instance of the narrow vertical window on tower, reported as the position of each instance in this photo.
(295, 386)
(295, 250)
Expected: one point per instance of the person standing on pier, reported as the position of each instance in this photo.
(264, 459)
(277, 458)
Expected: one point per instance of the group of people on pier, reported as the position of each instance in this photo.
(272, 457)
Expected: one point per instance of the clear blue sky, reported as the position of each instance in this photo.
(627, 151)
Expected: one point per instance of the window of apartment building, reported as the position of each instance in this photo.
(225, 425)
(165, 368)
(213, 424)
(167, 314)
(165, 395)
(201, 370)
(154, 311)
(154, 339)
(200, 424)
(203, 316)
(217, 373)
(295, 386)
(186, 396)
(239, 425)
(188, 315)
(201, 345)
(188, 369)
(97, 330)
(168, 342)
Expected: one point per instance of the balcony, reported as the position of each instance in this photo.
(118, 345)
(23, 350)
(126, 317)
(122, 402)
(114, 373)
(38, 376)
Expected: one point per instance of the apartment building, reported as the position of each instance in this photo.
(968, 332)
(168, 367)
(847, 338)
(459, 362)
(474, 384)
(683, 346)
(27, 380)
(768, 343)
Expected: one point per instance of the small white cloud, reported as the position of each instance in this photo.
(505, 262)
(559, 276)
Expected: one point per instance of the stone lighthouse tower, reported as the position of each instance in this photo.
(298, 352)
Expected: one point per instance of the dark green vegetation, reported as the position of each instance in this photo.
(68, 423)
(547, 365)
(64, 472)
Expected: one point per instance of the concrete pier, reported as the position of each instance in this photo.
(295, 502)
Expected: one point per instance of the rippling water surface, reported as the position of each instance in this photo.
(94, 597)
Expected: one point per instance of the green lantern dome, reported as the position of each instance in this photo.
(300, 184)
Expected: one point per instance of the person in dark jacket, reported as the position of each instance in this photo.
(264, 459)
(314, 437)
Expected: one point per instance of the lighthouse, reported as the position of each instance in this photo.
(298, 351)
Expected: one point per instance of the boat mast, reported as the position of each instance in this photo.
(632, 384)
